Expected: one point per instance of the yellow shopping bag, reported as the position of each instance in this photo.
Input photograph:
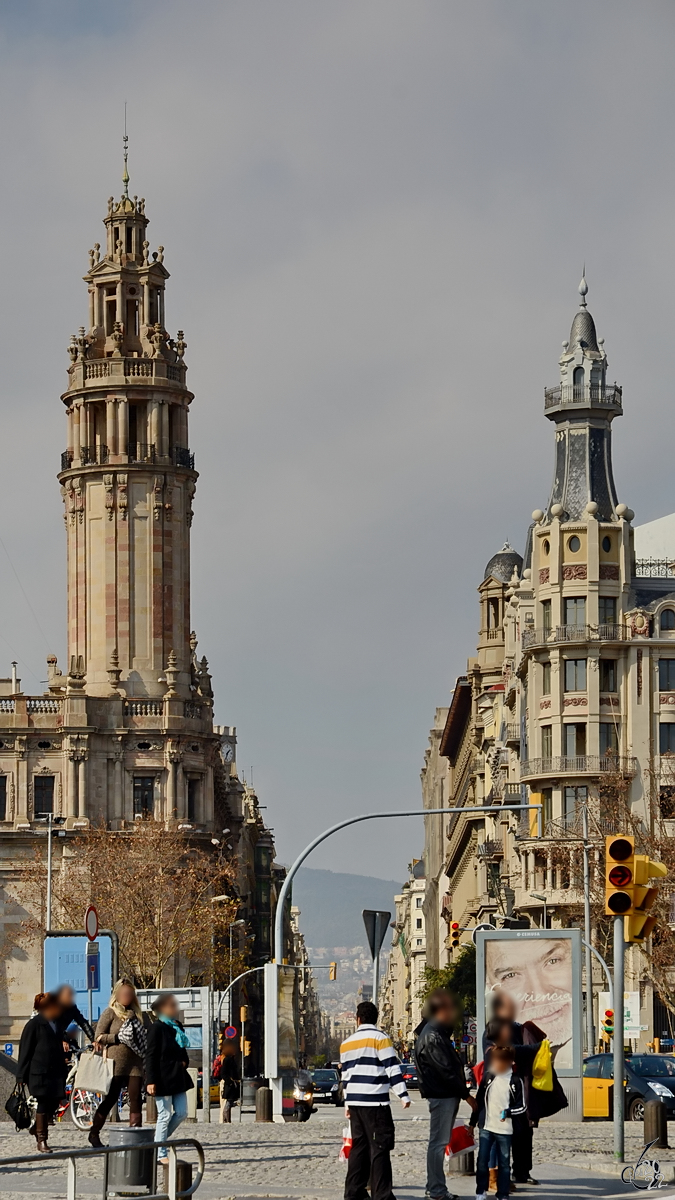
(542, 1068)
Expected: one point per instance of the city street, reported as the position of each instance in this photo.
(300, 1162)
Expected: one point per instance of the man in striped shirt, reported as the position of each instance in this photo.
(369, 1070)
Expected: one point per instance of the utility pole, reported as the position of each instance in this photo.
(619, 1099)
(590, 1031)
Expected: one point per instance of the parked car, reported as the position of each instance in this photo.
(327, 1086)
(647, 1077)
(409, 1073)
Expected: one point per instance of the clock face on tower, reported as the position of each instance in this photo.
(228, 752)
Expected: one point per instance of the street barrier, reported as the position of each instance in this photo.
(72, 1157)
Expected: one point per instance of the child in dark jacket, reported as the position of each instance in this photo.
(500, 1097)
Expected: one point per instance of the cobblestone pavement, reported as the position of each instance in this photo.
(281, 1162)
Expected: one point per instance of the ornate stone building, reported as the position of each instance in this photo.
(126, 729)
(573, 687)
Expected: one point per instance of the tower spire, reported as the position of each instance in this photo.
(583, 287)
(125, 143)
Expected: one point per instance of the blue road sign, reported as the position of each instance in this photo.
(230, 1032)
(93, 967)
(65, 961)
(8, 1048)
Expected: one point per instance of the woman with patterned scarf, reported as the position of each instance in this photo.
(121, 1031)
(166, 1066)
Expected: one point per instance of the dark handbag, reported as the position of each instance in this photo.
(18, 1108)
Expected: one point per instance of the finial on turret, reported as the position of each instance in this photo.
(583, 287)
(125, 143)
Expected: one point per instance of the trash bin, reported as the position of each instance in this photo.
(131, 1170)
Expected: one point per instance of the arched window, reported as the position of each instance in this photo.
(668, 618)
(578, 383)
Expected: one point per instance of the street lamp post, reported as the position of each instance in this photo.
(536, 896)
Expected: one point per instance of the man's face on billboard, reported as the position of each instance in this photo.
(538, 974)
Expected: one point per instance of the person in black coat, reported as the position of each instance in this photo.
(42, 1063)
(71, 1015)
(166, 1064)
(440, 1072)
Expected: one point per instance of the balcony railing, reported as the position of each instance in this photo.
(43, 704)
(93, 455)
(574, 633)
(490, 849)
(193, 710)
(183, 458)
(155, 369)
(603, 395)
(7, 704)
(144, 708)
(578, 764)
(141, 452)
(654, 568)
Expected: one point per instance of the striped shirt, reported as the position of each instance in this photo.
(370, 1068)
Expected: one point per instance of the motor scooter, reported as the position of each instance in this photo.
(303, 1096)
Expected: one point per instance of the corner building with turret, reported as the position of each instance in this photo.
(126, 729)
(570, 699)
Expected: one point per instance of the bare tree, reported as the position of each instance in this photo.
(152, 887)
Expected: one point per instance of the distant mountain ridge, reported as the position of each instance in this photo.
(331, 903)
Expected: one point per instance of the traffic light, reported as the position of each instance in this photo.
(619, 874)
(639, 924)
(332, 971)
(608, 1023)
(243, 1013)
(245, 1047)
(454, 935)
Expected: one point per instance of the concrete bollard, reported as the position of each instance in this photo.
(192, 1095)
(263, 1104)
(656, 1124)
(183, 1175)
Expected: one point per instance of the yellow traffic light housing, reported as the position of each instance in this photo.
(639, 924)
(608, 1023)
(619, 874)
(243, 1013)
(455, 931)
(332, 971)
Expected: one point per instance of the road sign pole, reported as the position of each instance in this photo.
(376, 960)
(619, 1094)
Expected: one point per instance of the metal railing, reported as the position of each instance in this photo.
(73, 1156)
(579, 764)
(490, 849)
(607, 632)
(182, 457)
(141, 452)
(602, 394)
(93, 455)
(193, 709)
(654, 568)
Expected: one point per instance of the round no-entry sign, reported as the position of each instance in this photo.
(91, 923)
(230, 1032)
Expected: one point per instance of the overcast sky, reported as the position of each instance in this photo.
(375, 216)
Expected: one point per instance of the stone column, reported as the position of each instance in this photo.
(92, 307)
(76, 443)
(82, 787)
(22, 789)
(118, 797)
(171, 790)
(164, 448)
(111, 427)
(122, 426)
(71, 787)
(180, 792)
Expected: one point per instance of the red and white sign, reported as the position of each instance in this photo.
(91, 923)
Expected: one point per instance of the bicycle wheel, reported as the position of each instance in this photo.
(83, 1105)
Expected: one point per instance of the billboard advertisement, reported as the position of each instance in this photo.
(541, 970)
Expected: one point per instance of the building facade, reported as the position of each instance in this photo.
(570, 701)
(400, 999)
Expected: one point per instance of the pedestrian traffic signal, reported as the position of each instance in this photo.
(454, 935)
(639, 924)
(332, 971)
(608, 1023)
(619, 874)
(243, 1013)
